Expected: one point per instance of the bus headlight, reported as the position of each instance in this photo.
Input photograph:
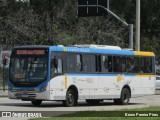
(43, 88)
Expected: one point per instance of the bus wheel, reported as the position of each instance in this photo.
(36, 102)
(125, 97)
(70, 99)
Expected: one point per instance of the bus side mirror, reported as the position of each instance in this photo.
(55, 62)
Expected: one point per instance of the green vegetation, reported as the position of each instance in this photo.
(94, 115)
(98, 118)
(53, 22)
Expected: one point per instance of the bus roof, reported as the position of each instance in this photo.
(101, 51)
(82, 49)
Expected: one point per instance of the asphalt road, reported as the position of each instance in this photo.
(18, 105)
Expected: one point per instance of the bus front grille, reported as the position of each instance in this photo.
(25, 95)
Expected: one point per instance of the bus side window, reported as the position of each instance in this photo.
(79, 63)
(89, 63)
(148, 65)
(110, 64)
(117, 64)
(56, 65)
(106, 64)
(130, 64)
(70, 63)
(58, 69)
(123, 64)
(133, 65)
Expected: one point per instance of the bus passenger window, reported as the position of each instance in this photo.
(130, 65)
(123, 64)
(117, 64)
(74, 64)
(106, 64)
(58, 69)
(89, 63)
(56, 65)
(133, 65)
(109, 63)
(79, 63)
(148, 65)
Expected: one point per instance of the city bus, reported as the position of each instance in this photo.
(93, 73)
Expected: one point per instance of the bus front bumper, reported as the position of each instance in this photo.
(26, 95)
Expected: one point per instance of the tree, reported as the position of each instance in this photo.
(56, 22)
(149, 20)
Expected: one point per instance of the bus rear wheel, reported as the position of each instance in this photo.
(71, 99)
(36, 102)
(125, 97)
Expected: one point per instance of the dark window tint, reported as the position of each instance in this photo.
(123, 64)
(74, 63)
(89, 63)
(78, 63)
(117, 63)
(146, 64)
(71, 62)
(133, 65)
(106, 63)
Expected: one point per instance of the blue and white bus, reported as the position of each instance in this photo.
(82, 72)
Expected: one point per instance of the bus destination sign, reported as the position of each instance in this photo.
(30, 52)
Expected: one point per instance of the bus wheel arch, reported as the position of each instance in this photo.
(71, 96)
(125, 96)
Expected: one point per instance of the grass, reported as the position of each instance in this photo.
(99, 118)
(100, 115)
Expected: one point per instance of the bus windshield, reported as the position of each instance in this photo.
(28, 70)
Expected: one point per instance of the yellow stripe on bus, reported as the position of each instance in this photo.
(64, 48)
(143, 75)
(65, 81)
(138, 53)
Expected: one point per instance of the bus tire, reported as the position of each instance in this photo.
(125, 97)
(36, 102)
(71, 99)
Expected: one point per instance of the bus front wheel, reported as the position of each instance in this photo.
(125, 97)
(36, 102)
(70, 99)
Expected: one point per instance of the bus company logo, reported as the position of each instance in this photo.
(119, 78)
(75, 80)
(6, 114)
